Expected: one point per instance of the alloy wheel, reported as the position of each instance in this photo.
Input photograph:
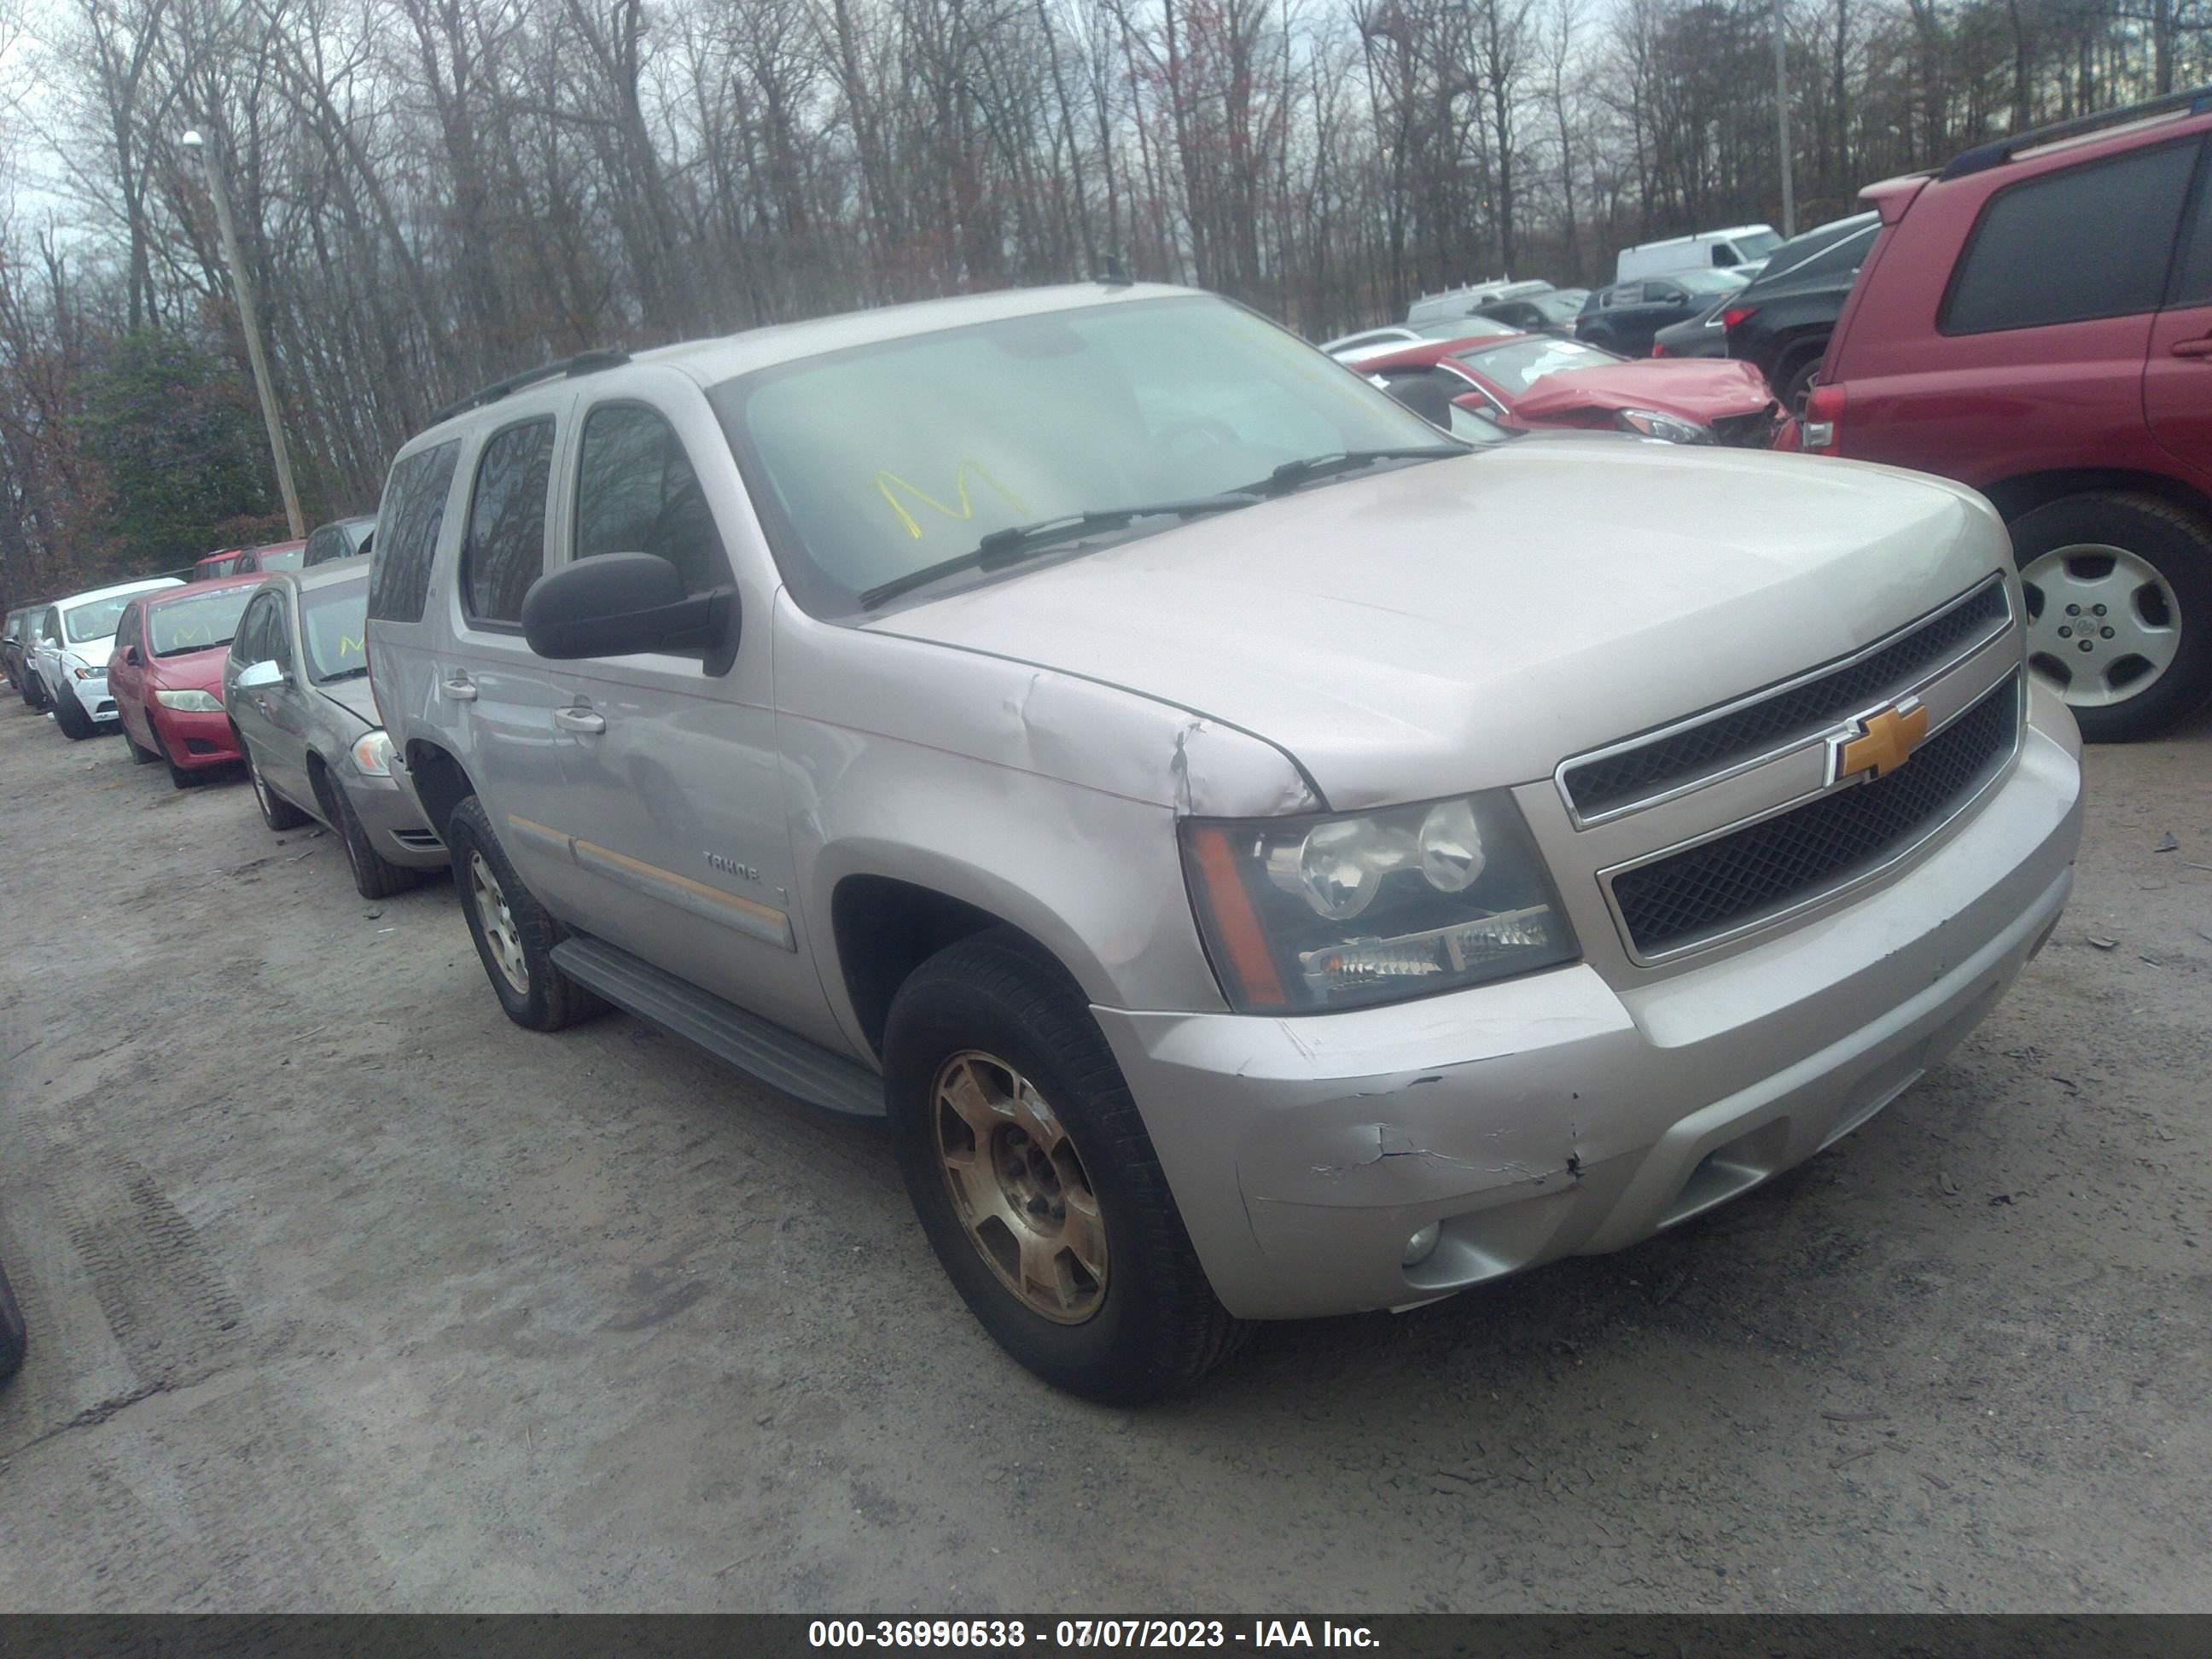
(2102, 622)
(1019, 1187)
(499, 929)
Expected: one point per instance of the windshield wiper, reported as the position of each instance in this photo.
(1018, 541)
(343, 674)
(1291, 474)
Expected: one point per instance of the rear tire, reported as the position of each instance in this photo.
(374, 876)
(276, 812)
(68, 715)
(1055, 1225)
(2130, 577)
(1796, 378)
(514, 934)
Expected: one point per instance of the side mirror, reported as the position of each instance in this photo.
(614, 605)
(259, 677)
(130, 655)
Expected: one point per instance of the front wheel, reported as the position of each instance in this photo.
(2119, 607)
(69, 715)
(14, 1338)
(276, 812)
(34, 692)
(1036, 1182)
(514, 934)
(374, 875)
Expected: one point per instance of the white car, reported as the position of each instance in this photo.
(69, 661)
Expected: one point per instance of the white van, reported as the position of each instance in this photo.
(1724, 250)
(1465, 302)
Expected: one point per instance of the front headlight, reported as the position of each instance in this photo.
(189, 701)
(1669, 428)
(87, 671)
(1309, 913)
(372, 755)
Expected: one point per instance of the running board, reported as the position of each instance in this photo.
(771, 1054)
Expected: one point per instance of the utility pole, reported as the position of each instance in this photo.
(250, 321)
(1781, 122)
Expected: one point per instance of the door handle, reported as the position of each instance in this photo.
(578, 720)
(459, 689)
(2197, 348)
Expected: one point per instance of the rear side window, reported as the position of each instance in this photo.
(505, 549)
(2093, 241)
(413, 513)
(2193, 282)
(636, 493)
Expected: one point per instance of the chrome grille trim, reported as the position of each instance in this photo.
(1995, 771)
(1811, 731)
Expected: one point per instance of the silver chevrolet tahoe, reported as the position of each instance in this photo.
(1264, 859)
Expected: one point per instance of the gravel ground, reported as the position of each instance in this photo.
(346, 1293)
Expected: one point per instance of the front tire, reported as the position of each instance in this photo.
(15, 1337)
(139, 756)
(2119, 605)
(69, 715)
(1033, 1176)
(34, 692)
(374, 876)
(514, 934)
(276, 812)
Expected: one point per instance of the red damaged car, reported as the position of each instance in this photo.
(1534, 381)
(165, 674)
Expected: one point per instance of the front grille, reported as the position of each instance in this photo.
(1734, 879)
(1755, 431)
(1608, 783)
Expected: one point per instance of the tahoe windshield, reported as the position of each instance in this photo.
(333, 621)
(199, 622)
(1520, 364)
(883, 461)
(95, 621)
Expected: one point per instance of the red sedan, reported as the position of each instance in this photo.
(1536, 380)
(165, 674)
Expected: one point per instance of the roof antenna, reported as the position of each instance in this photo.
(1111, 272)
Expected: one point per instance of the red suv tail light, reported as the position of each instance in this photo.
(1821, 423)
(1735, 315)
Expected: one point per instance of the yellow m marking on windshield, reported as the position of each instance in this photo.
(887, 481)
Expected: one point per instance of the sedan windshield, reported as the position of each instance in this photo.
(883, 460)
(1516, 365)
(95, 621)
(197, 622)
(333, 624)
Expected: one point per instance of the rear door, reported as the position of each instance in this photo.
(2178, 373)
(674, 800)
(504, 694)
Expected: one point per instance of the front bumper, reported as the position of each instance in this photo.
(91, 696)
(193, 740)
(395, 824)
(1554, 1115)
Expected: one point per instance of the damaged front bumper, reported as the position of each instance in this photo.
(1557, 1115)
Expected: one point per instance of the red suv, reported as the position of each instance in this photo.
(2035, 320)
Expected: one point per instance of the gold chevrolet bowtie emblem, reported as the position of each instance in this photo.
(1878, 743)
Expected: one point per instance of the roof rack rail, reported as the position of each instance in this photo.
(1999, 151)
(584, 362)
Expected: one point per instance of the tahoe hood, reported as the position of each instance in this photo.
(1467, 624)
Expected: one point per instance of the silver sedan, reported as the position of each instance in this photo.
(297, 685)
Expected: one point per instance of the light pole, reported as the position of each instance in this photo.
(1782, 120)
(250, 322)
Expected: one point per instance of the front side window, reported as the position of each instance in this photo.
(876, 462)
(504, 550)
(637, 492)
(126, 631)
(2092, 241)
(333, 629)
(414, 512)
(199, 622)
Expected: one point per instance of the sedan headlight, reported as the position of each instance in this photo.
(87, 671)
(372, 755)
(1669, 428)
(1309, 913)
(189, 702)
